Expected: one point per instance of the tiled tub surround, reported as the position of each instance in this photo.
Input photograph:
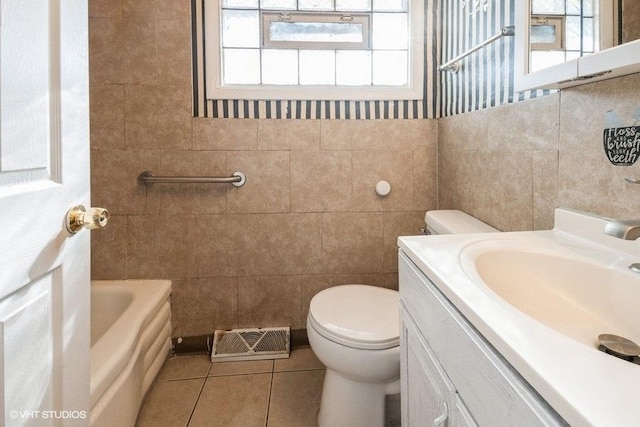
(510, 166)
(307, 218)
(254, 256)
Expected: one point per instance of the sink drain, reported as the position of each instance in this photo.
(619, 346)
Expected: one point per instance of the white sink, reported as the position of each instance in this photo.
(578, 291)
(541, 298)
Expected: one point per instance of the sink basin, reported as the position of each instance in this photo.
(579, 292)
(541, 299)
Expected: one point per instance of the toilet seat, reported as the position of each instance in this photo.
(357, 316)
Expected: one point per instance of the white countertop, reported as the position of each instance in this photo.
(584, 385)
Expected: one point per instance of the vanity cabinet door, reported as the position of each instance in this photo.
(460, 415)
(428, 396)
(489, 386)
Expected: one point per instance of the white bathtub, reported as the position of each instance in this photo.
(130, 339)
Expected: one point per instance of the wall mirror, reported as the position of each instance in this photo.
(562, 43)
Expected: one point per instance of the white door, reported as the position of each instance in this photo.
(44, 170)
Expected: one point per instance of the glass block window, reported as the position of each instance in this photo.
(314, 49)
(562, 30)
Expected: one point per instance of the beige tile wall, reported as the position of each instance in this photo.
(630, 20)
(307, 219)
(512, 165)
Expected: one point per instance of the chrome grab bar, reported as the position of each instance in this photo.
(454, 64)
(148, 178)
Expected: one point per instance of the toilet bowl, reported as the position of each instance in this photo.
(354, 332)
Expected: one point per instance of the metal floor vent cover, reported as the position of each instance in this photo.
(250, 344)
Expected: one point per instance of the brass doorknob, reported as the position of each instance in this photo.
(80, 217)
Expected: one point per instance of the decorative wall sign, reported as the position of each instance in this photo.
(621, 143)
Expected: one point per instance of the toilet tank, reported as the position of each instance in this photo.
(455, 222)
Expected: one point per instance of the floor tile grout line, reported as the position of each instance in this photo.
(193, 410)
(258, 372)
(208, 375)
(240, 374)
(266, 420)
(169, 380)
(300, 370)
(273, 367)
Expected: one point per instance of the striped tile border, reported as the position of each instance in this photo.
(485, 81)
(487, 76)
(357, 110)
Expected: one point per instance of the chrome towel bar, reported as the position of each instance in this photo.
(454, 64)
(147, 178)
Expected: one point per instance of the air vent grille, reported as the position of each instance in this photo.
(250, 344)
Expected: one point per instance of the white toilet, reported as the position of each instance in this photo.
(354, 330)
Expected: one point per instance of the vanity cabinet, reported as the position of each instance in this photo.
(450, 374)
(429, 397)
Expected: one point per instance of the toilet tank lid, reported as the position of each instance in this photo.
(455, 222)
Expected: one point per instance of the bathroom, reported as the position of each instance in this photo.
(508, 165)
(308, 217)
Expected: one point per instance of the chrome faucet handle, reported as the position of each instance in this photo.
(625, 229)
(628, 230)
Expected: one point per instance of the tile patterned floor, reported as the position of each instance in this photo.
(191, 391)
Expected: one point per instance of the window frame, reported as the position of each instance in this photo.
(268, 16)
(216, 90)
(555, 21)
